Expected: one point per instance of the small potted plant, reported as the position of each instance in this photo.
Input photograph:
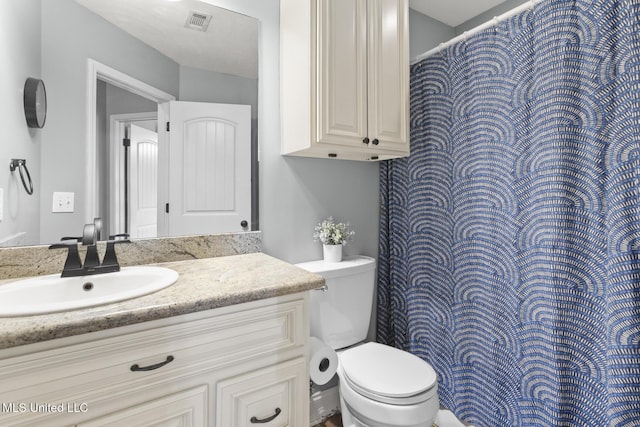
(333, 237)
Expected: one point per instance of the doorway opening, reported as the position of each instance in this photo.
(133, 174)
(97, 197)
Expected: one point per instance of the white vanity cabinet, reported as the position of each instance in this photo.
(345, 78)
(232, 366)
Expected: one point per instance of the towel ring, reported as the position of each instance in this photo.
(21, 164)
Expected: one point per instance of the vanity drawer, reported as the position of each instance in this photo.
(100, 371)
(186, 408)
(267, 397)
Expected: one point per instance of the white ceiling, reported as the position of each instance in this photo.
(230, 45)
(453, 12)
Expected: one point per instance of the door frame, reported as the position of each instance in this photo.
(98, 71)
(117, 124)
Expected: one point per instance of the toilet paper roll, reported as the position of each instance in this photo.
(323, 362)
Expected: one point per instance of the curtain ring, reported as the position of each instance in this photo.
(21, 164)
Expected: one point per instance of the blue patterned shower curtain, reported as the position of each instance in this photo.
(510, 238)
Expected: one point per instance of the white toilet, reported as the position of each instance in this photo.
(380, 386)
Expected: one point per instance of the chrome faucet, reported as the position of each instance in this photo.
(73, 267)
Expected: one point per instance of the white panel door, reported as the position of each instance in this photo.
(209, 168)
(143, 185)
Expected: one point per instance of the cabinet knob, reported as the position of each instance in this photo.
(244, 223)
(375, 141)
(365, 140)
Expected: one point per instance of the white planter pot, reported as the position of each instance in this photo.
(332, 253)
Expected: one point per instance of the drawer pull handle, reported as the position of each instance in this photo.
(254, 420)
(136, 367)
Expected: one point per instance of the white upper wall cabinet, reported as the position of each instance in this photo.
(345, 78)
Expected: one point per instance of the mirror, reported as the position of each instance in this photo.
(156, 48)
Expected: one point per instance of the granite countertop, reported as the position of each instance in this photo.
(203, 284)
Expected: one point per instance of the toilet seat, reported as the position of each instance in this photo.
(387, 375)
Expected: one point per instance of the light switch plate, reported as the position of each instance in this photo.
(62, 202)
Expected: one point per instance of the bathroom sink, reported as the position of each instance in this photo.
(50, 294)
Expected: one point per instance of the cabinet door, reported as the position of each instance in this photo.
(341, 114)
(272, 397)
(187, 409)
(388, 67)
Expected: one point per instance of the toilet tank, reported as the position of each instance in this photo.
(340, 316)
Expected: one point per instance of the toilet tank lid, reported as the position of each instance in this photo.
(348, 265)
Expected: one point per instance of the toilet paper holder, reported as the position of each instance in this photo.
(324, 365)
(323, 361)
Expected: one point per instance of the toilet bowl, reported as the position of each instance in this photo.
(380, 386)
(383, 386)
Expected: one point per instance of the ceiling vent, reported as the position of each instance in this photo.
(197, 21)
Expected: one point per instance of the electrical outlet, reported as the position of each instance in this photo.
(62, 202)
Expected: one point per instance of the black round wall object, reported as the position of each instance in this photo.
(35, 102)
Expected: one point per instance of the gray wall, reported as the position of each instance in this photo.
(70, 35)
(488, 15)
(425, 33)
(20, 33)
(208, 86)
(120, 101)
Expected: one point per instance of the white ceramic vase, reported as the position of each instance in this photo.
(332, 253)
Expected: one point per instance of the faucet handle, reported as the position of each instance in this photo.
(73, 258)
(110, 259)
(64, 245)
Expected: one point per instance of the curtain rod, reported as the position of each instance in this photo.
(496, 19)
